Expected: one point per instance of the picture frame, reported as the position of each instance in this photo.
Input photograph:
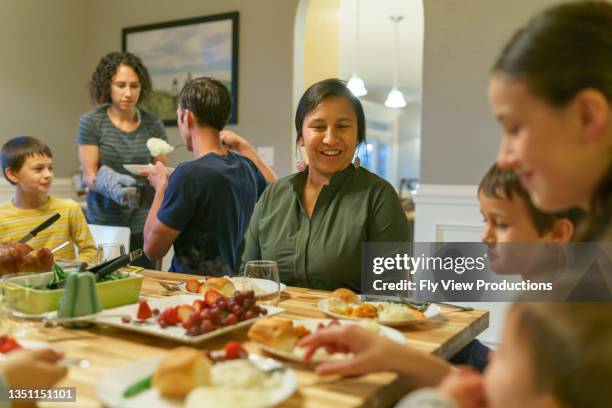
(179, 50)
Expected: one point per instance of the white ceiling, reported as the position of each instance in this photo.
(374, 58)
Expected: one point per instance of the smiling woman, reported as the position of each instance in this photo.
(313, 223)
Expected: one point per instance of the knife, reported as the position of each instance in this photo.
(41, 227)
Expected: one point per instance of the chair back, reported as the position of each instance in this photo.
(106, 234)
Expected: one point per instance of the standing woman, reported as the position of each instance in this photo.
(113, 134)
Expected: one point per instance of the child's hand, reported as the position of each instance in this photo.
(465, 386)
(371, 352)
(33, 368)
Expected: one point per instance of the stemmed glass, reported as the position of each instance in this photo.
(263, 270)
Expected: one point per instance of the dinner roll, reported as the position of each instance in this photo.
(222, 284)
(345, 295)
(180, 371)
(274, 332)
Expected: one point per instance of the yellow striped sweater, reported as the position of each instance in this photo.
(71, 226)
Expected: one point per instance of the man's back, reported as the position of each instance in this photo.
(210, 200)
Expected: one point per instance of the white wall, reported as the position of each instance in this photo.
(410, 141)
(42, 74)
(50, 49)
(462, 40)
(265, 59)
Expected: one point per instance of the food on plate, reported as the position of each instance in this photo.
(340, 300)
(144, 311)
(222, 284)
(180, 371)
(232, 351)
(274, 332)
(204, 315)
(237, 384)
(346, 302)
(18, 257)
(389, 311)
(8, 343)
(248, 284)
(158, 146)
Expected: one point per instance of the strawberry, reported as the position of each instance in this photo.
(234, 351)
(144, 311)
(198, 305)
(211, 296)
(184, 312)
(192, 285)
(8, 343)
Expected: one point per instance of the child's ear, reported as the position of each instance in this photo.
(562, 231)
(10, 175)
(594, 111)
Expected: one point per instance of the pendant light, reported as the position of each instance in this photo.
(395, 99)
(355, 84)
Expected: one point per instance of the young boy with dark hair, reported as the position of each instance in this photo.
(511, 218)
(27, 163)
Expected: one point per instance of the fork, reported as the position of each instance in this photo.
(170, 287)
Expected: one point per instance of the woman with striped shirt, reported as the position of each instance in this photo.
(113, 134)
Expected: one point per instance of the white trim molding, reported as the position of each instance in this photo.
(447, 213)
(62, 187)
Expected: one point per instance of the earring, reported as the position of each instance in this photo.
(300, 164)
(357, 162)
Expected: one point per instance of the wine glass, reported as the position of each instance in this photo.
(262, 275)
(109, 251)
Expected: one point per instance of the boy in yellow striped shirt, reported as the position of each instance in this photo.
(27, 163)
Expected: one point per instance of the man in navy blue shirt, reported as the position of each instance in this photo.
(205, 206)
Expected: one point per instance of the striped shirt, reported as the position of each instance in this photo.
(116, 149)
(16, 222)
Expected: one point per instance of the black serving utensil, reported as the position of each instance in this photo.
(44, 225)
(106, 268)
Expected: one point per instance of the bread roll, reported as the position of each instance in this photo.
(180, 371)
(274, 332)
(223, 285)
(345, 295)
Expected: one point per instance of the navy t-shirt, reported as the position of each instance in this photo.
(210, 200)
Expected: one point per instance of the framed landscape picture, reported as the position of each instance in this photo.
(176, 51)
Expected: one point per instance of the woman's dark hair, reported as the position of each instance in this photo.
(326, 89)
(208, 100)
(562, 51)
(100, 84)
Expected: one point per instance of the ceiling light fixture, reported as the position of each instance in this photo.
(355, 84)
(395, 99)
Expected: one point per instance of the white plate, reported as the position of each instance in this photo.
(171, 332)
(110, 387)
(136, 168)
(311, 324)
(268, 287)
(432, 311)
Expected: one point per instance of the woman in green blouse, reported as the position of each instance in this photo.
(312, 223)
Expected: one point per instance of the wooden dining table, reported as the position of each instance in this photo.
(108, 348)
